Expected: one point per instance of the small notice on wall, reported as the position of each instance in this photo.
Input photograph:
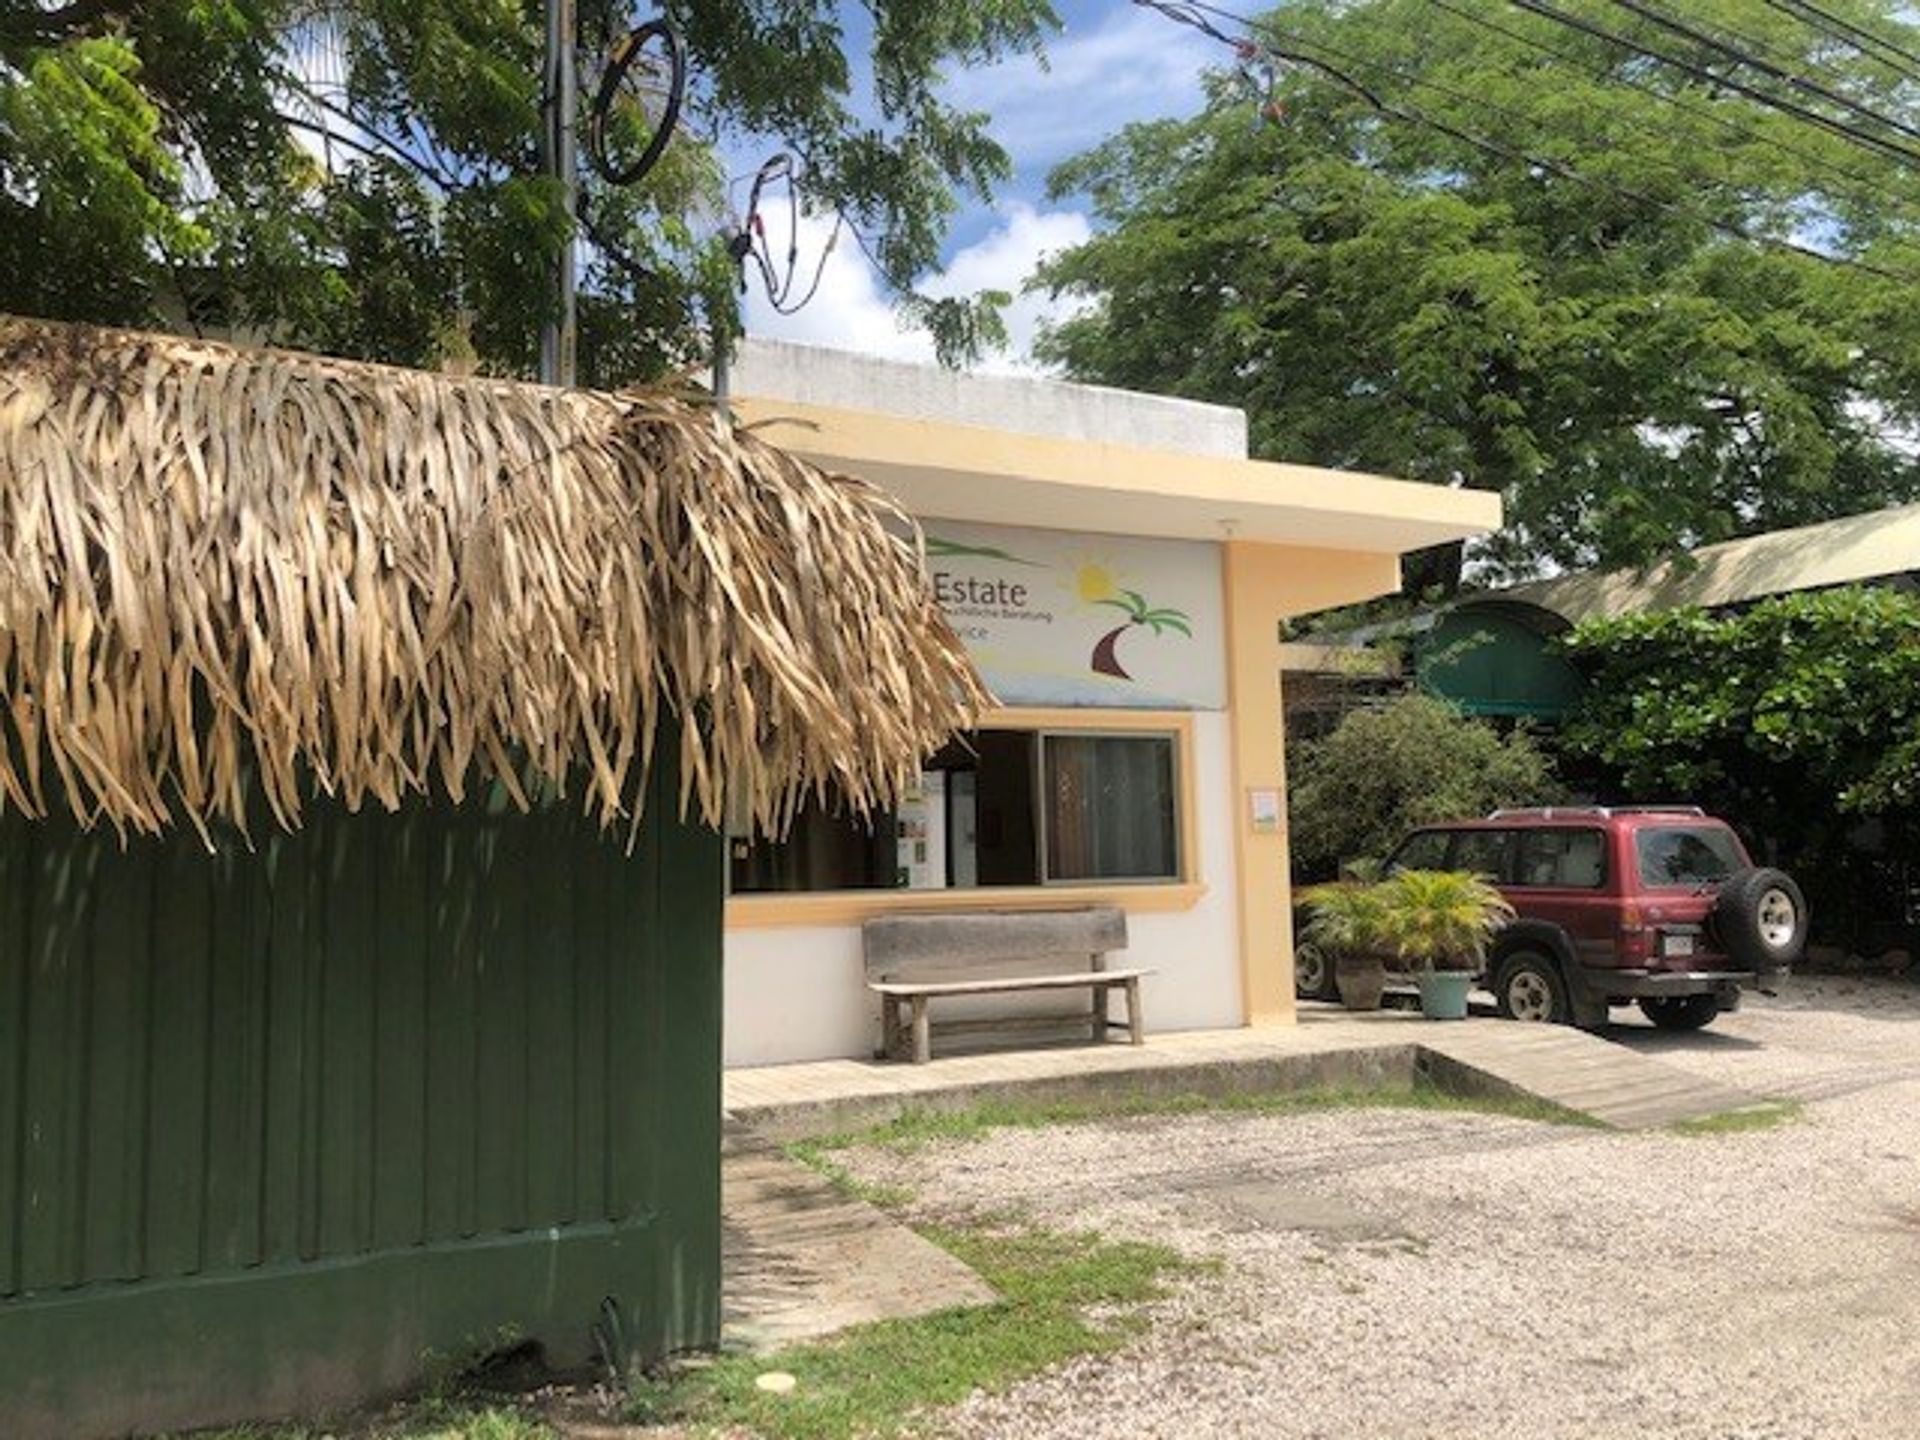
(1263, 811)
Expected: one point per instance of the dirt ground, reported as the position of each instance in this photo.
(1396, 1273)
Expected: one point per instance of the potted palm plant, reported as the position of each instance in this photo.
(1439, 922)
(1345, 922)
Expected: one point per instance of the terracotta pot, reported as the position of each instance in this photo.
(1362, 980)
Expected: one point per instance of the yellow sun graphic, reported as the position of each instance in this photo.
(1094, 583)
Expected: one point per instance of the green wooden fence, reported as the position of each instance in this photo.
(291, 1128)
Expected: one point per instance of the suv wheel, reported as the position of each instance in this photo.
(1529, 987)
(1313, 976)
(1681, 1012)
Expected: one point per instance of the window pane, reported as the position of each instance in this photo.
(1111, 812)
(969, 822)
(1425, 851)
(1482, 852)
(1696, 855)
(822, 851)
(1564, 859)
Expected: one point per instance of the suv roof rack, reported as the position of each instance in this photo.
(1604, 812)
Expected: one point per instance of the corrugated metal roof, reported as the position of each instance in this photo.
(1872, 546)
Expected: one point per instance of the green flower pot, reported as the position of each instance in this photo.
(1443, 994)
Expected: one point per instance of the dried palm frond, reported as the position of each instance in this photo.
(225, 568)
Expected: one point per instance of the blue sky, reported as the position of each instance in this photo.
(1113, 63)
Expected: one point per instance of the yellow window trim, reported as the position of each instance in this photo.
(850, 907)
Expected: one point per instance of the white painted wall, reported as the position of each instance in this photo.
(1025, 405)
(799, 992)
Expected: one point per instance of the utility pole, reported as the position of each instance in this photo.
(559, 334)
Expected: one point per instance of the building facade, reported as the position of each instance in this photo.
(1119, 571)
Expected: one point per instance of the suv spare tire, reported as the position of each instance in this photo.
(1760, 918)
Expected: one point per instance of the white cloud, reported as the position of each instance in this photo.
(853, 311)
(1135, 64)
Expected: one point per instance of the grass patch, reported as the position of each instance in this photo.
(1062, 1296)
(423, 1420)
(914, 1128)
(1768, 1116)
(818, 1155)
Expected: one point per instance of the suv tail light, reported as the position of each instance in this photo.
(1636, 936)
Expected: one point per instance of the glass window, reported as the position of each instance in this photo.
(1482, 852)
(1109, 809)
(985, 812)
(1425, 850)
(1563, 859)
(1690, 855)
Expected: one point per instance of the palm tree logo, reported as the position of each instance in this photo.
(1096, 586)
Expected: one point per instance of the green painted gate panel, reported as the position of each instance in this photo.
(1488, 662)
(279, 1126)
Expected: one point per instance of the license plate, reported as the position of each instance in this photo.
(1676, 945)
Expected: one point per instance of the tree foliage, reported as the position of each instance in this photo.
(1806, 703)
(1563, 306)
(1798, 720)
(165, 156)
(1356, 792)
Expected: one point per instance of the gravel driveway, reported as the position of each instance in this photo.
(1410, 1274)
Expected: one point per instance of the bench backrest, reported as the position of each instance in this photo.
(985, 943)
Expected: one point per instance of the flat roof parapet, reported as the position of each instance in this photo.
(1026, 405)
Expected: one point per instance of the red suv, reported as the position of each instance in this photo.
(1659, 905)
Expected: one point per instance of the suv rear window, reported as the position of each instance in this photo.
(1689, 855)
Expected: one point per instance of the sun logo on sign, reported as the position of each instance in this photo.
(1094, 583)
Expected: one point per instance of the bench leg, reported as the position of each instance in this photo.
(922, 1033)
(889, 1027)
(1102, 1012)
(1137, 1030)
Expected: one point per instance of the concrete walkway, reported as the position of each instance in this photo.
(802, 1260)
(1566, 1067)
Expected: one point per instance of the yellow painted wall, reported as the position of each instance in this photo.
(1266, 584)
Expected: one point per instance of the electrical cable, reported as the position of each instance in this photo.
(1667, 97)
(625, 54)
(1837, 27)
(1733, 52)
(1479, 142)
(1840, 128)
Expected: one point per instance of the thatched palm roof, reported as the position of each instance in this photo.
(225, 568)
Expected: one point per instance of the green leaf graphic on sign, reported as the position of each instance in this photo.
(944, 549)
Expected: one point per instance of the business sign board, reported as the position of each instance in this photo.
(1053, 617)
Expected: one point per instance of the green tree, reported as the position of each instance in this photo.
(161, 155)
(1356, 792)
(1585, 297)
(1796, 720)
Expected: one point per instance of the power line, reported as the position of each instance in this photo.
(1876, 47)
(1733, 52)
(1668, 97)
(1198, 10)
(1726, 82)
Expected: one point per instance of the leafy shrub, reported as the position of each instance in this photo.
(1442, 919)
(1797, 720)
(1412, 762)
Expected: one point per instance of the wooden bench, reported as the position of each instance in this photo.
(913, 960)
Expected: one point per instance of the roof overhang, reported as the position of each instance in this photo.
(963, 472)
